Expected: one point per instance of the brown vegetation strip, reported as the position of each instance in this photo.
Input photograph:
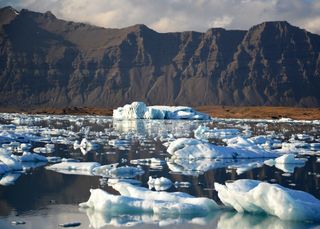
(261, 112)
(214, 111)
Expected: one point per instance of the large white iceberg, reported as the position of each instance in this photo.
(261, 197)
(139, 110)
(135, 200)
(194, 148)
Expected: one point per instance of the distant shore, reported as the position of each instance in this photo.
(261, 112)
(254, 112)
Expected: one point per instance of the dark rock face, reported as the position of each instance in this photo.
(47, 62)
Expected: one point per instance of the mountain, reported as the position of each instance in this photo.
(48, 62)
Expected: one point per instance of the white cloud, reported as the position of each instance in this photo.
(179, 15)
(221, 22)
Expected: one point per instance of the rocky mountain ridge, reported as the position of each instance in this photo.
(48, 62)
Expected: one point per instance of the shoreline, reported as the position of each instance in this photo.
(243, 112)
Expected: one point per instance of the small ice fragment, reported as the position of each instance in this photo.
(73, 224)
(159, 184)
(18, 222)
(182, 184)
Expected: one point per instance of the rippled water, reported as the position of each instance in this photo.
(44, 199)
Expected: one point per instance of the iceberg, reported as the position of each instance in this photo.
(260, 197)
(139, 110)
(136, 200)
(194, 149)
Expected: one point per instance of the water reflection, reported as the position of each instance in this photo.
(38, 188)
(234, 220)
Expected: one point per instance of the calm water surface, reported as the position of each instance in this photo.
(44, 199)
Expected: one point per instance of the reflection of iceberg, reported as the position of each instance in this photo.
(9, 178)
(204, 132)
(261, 197)
(232, 220)
(288, 168)
(137, 200)
(162, 129)
(100, 219)
(154, 163)
(200, 166)
(32, 165)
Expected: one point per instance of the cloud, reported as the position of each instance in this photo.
(179, 15)
(221, 22)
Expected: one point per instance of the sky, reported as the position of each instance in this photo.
(179, 15)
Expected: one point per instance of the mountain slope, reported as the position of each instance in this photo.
(47, 62)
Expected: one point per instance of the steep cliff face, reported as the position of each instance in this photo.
(46, 62)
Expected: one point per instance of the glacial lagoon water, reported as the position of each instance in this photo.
(41, 198)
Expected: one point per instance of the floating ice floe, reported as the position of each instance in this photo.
(204, 132)
(31, 157)
(9, 163)
(260, 197)
(289, 159)
(196, 167)
(154, 163)
(78, 168)
(124, 172)
(113, 181)
(286, 162)
(244, 167)
(95, 169)
(159, 184)
(239, 148)
(139, 110)
(118, 172)
(85, 146)
(135, 200)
